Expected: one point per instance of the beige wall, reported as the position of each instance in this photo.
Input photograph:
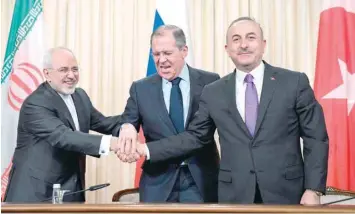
(111, 41)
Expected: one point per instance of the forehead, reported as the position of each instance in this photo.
(163, 41)
(63, 58)
(243, 28)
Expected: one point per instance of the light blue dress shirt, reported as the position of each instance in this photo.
(185, 91)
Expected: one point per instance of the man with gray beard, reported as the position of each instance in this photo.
(52, 138)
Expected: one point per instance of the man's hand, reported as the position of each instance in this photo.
(141, 149)
(310, 198)
(127, 139)
(114, 144)
(134, 156)
(127, 143)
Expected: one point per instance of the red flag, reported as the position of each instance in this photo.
(139, 163)
(335, 89)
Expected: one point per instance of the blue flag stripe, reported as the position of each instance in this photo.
(151, 65)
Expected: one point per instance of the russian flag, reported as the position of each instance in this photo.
(170, 12)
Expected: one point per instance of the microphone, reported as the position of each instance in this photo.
(92, 188)
(99, 186)
(341, 200)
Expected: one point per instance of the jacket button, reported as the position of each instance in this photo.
(252, 171)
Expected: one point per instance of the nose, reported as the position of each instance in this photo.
(162, 58)
(244, 44)
(70, 74)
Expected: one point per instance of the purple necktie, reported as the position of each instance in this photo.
(251, 104)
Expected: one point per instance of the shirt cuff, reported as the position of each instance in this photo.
(105, 145)
(317, 192)
(146, 151)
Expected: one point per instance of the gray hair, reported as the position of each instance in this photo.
(47, 58)
(177, 32)
(244, 18)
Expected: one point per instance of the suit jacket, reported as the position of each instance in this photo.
(287, 111)
(49, 150)
(145, 107)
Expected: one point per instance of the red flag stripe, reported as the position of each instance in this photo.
(5, 180)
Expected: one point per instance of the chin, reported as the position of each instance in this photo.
(68, 91)
(166, 76)
(245, 62)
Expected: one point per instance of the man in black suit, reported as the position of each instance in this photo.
(163, 104)
(52, 137)
(261, 112)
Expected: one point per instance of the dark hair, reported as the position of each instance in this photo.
(244, 18)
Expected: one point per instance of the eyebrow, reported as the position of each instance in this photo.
(235, 35)
(248, 34)
(164, 50)
(251, 33)
(67, 67)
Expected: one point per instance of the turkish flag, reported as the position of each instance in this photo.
(335, 90)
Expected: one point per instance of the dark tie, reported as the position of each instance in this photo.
(176, 109)
(251, 104)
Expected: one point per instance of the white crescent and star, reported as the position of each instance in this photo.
(347, 89)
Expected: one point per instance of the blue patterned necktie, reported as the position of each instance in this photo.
(176, 109)
(251, 104)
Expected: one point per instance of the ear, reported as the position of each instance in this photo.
(185, 51)
(226, 49)
(46, 74)
(264, 45)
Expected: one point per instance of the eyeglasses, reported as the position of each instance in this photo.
(65, 70)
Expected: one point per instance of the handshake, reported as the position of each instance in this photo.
(126, 146)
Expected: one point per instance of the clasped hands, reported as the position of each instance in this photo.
(129, 149)
(126, 146)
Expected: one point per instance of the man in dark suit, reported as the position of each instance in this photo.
(53, 138)
(261, 112)
(164, 104)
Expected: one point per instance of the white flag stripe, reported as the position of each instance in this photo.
(23, 72)
(348, 5)
(175, 13)
(30, 51)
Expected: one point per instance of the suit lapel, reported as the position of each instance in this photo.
(80, 111)
(196, 87)
(230, 92)
(159, 105)
(268, 88)
(59, 103)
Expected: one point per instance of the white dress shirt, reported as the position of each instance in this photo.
(240, 86)
(105, 140)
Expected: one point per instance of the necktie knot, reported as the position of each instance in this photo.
(248, 78)
(176, 81)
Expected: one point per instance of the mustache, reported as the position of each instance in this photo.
(70, 80)
(246, 51)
